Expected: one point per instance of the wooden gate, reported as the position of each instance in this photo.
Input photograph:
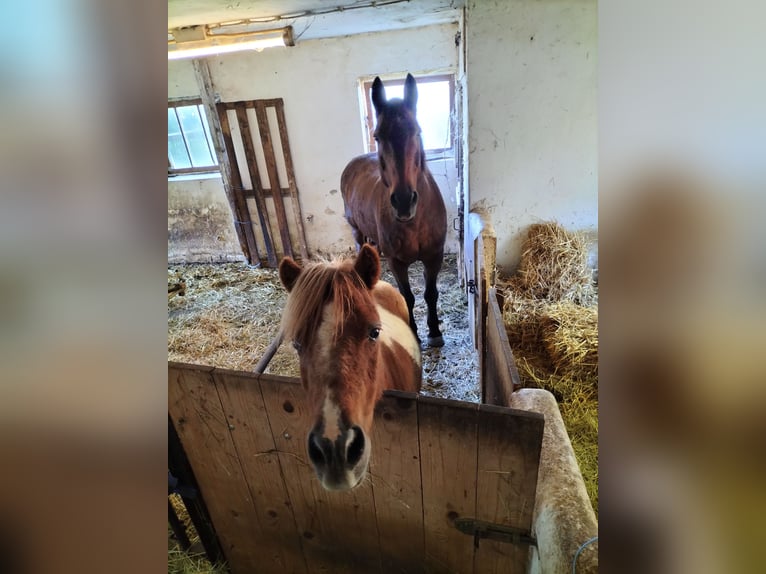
(436, 464)
(265, 195)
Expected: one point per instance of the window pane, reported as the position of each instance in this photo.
(177, 155)
(203, 115)
(433, 112)
(195, 136)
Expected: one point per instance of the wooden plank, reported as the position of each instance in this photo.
(285, 192)
(338, 528)
(207, 94)
(395, 474)
(508, 460)
(293, 187)
(271, 169)
(268, 102)
(255, 180)
(197, 414)
(499, 374)
(279, 547)
(240, 204)
(447, 434)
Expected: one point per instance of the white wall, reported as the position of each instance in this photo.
(318, 81)
(532, 128)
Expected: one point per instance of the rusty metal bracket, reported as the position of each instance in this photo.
(480, 529)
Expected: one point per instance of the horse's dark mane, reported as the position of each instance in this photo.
(318, 284)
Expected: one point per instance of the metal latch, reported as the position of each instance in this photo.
(471, 286)
(480, 529)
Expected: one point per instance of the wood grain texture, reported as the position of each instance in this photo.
(293, 186)
(198, 416)
(255, 181)
(506, 480)
(395, 471)
(271, 169)
(207, 95)
(237, 201)
(279, 547)
(500, 375)
(338, 528)
(447, 433)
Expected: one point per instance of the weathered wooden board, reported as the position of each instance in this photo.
(280, 546)
(433, 461)
(271, 168)
(198, 416)
(255, 181)
(499, 374)
(447, 431)
(395, 475)
(506, 481)
(338, 528)
(257, 145)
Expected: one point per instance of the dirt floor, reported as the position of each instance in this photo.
(229, 313)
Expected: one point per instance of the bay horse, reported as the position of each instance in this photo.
(353, 341)
(393, 201)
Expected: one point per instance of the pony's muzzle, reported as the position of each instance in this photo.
(342, 463)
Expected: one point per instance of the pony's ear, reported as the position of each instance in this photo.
(410, 93)
(378, 96)
(367, 265)
(289, 271)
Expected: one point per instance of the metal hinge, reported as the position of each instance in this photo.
(499, 532)
(471, 286)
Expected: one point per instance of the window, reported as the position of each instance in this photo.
(190, 145)
(436, 102)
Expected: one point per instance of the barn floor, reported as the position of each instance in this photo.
(230, 312)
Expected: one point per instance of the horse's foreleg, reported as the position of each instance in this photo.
(401, 272)
(431, 295)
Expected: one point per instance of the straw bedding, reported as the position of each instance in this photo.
(551, 315)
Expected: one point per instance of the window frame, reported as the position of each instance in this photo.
(199, 170)
(369, 110)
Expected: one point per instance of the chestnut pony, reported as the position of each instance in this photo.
(393, 201)
(351, 333)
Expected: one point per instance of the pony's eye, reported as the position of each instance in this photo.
(374, 333)
(297, 346)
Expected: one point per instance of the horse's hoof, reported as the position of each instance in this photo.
(436, 341)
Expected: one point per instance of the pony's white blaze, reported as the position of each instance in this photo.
(325, 336)
(331, 416)
(395, 330)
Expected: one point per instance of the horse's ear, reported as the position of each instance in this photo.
(289, 271)
(410, 93)
(378, 96)
(367, 265)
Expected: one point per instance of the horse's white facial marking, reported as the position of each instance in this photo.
(393, 329)
(324, 340)
(331, 416)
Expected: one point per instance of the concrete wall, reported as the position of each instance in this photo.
(318, 81)
(200, 227)
(532, 128)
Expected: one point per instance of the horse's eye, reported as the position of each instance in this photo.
(374, 333)
(297, 346)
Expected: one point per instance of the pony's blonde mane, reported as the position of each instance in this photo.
(318, 284)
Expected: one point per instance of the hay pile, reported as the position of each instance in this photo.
(194, 560)
(551, 317)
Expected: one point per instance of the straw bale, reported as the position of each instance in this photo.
(569, 333)
(554, 264)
